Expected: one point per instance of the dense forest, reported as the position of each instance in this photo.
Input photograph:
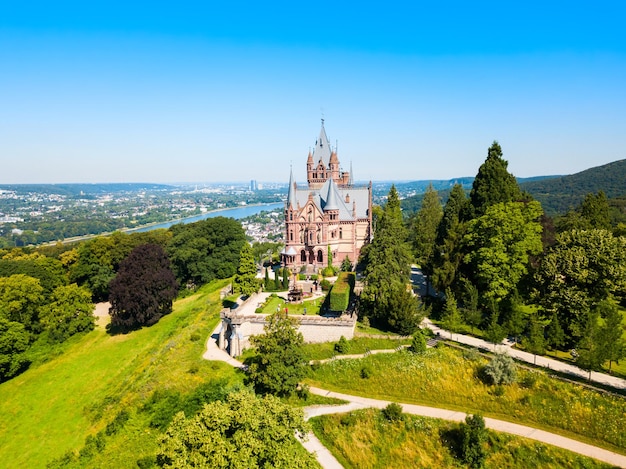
(558, 195)
(500, 266)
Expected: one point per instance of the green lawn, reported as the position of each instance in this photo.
(51, 409)
(274, 302)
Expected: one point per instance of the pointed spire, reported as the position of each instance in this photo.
(291, 195)
(322, 147)
(332, 197)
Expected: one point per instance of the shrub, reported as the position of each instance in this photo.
(303, 392)
(418, 344)
(500, 370)
(365, 321)
(471, 355)
(329, 271)
(325, 284)
(473, 435)
(343, 346)
(366, 372)
(118, 422)
(393, 412)
(529, 380)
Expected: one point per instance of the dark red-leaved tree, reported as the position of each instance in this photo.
(143, 290)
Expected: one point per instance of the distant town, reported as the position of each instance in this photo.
(32, 214)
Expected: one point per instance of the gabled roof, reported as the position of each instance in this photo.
(322, 149)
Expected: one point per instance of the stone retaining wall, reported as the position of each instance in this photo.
(237, 329)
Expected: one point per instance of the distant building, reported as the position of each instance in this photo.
(253, 185)
(331, 214)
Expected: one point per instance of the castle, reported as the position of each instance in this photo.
(330, 217)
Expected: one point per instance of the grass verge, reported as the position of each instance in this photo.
(447, 378)
(363, 439)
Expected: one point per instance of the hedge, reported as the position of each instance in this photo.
(339, 296)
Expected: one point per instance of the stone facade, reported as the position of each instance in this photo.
(331, 216)
(236, 330)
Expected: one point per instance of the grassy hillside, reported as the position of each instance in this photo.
(364, 439)
(558, 195)
(50, 410)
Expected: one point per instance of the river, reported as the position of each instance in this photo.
(236, 213)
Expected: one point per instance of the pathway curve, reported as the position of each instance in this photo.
(328, 461)
(569, 444)
(539, 360)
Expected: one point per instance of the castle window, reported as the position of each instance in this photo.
(291, 216)
(340, 233)
(320, 256)
(291, 236)
(303, 256)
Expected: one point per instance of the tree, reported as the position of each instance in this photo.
(424, 226)
(534, 342)
(387, 269)
(495, 333)
(279, 363)
(206, 250)
(245, 281)
(555, 336)
(582, 269)
(590, 350)
(14, 340)
(594, 209)
(612, 332)
(493, 184)
(244, 431)
(69, 312)
(144, 288)
(94, 267)
(451, 317)
(403, 311)
(499, 245)
(346, 265)
(447, 253)
(286, 275)
(21, 297)
(473, 438)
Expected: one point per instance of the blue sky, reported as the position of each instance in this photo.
(196, 91)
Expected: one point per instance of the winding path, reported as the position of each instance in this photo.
(328, 461)
(358, 402)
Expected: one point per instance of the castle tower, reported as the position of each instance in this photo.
(330, 215)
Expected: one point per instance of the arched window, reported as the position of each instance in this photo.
(340, 233)
(320, 256)
(291, 236)
(303, 256)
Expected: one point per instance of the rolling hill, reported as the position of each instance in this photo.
(560, 194)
